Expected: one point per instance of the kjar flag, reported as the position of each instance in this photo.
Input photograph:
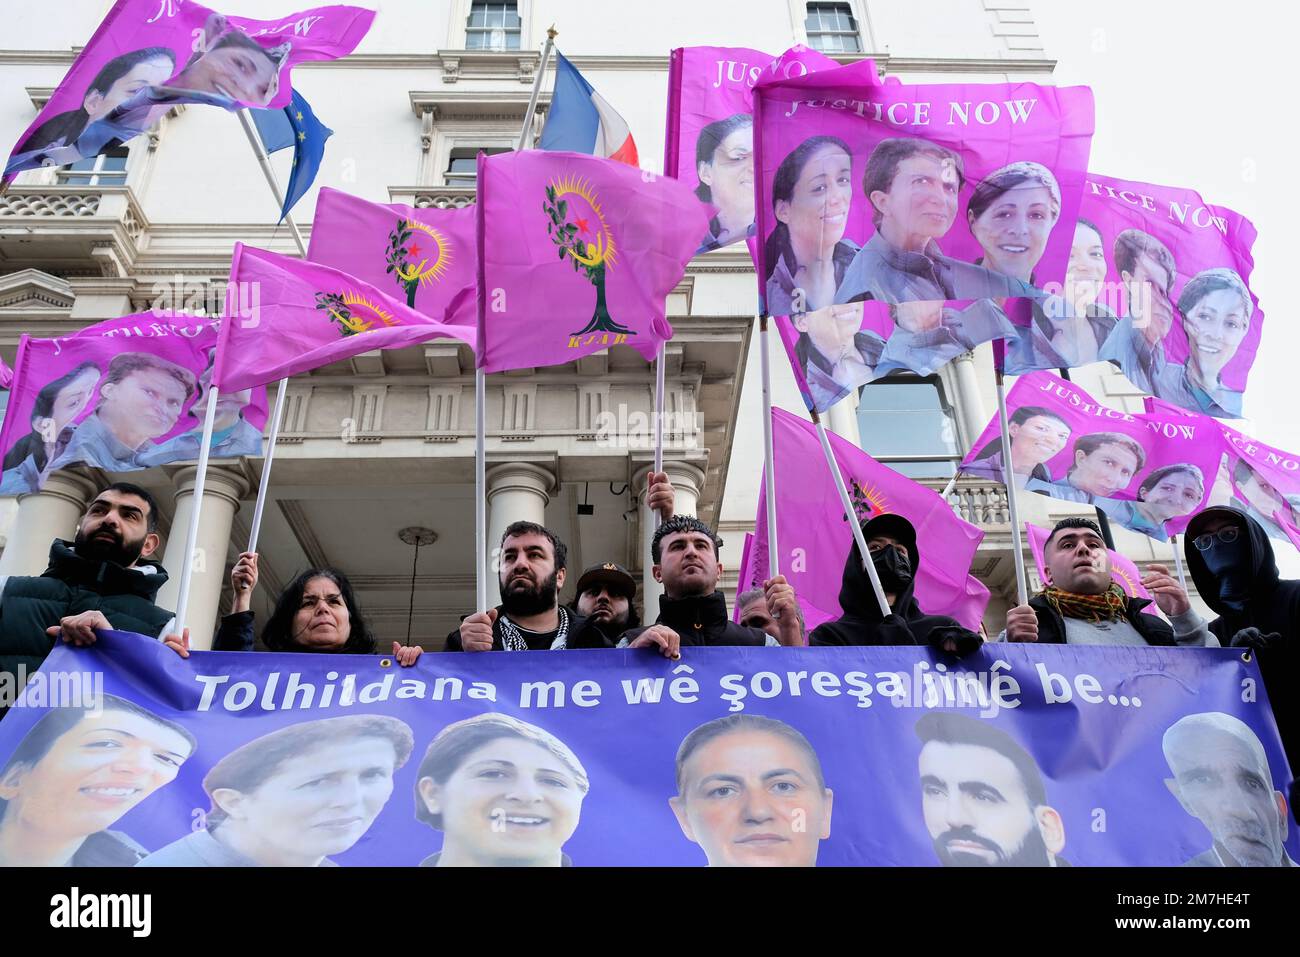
(709, 139)
(423, 257)
(1122, 571)
(1158, 283)
(1149, 472)
(125, 394)
(815, 537)
(580, 120)
(149, 56)
(308, 315)
(576, 254)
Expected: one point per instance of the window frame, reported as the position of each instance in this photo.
(488, 31)
(97, 175)
(946, 407)
(855, 23)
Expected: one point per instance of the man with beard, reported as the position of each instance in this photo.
(891, 541)
(530, 617)
(1221, 778)
(692, 611)
(983, 797)
(606, 594)
(104, 578)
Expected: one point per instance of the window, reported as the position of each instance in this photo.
(462, 168)
(832, 29)
(907, 423)
(493, 26)
(106, 169)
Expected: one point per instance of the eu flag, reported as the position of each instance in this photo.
(296, 125)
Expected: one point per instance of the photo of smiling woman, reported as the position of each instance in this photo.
(724, 163)
(1167, 493)
(57, 406)
(834, 352)
(1037, 435)
(806, 253)
(503, 792)
(1215, 308)
(75, 774)
(296, 795)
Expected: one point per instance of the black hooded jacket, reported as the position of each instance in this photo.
(861, 623)
(701, 620)
(1273, 607)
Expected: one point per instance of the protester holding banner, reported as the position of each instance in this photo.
(692, 611)
(1082, 605)
(58, 404)
(76, 773)
(891, 539)
(504, 793)
(606, 597)
(104, 578)
(751, 793)
(1231, 562)
(294, 796)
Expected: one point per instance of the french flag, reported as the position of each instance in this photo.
(581, 121)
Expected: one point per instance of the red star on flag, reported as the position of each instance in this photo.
(582, 226)
(415, 249)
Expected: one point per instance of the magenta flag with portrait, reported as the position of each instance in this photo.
(294, 316)
(1147, 471)
(125, 394)
(1122, 571)
(815, 537)
(576, 254)
(148, 56)
(423, 257)
(709, 138)
(1158, 283)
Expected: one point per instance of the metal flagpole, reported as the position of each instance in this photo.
(265, 162)
(1178, 563)
(276, 416)
(852, 516)
(1008, 473)
(192, 536)
(769, 463)
(481, 568)
(659, 418)
(526, 134)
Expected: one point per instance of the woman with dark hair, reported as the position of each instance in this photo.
(317, 612)
(724, 163)
(806, 252)
(1011, 214)
(56, 407)
(116, 82)
(835, 353)
(295, 795)
(75, 773)
(1037, 436)
(1215, 308)
(503, 792)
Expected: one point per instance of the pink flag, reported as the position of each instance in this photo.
(151, 55)
(423, 257)
(1122, 571)
(6, 374)
(124, 394)
(815, 536)
(1155, 270)
(745, 579)
(287, 316)
(709, 141)
(576, 254)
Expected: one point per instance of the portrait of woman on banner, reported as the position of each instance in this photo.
(1037, 436)
(58, 405)
(724, 164)
(834, 353)
(1166, 494)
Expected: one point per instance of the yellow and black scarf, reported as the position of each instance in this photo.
(1110, 605)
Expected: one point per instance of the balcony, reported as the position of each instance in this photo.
(71, 230)
(436, 197)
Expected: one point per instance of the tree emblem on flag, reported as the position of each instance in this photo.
(353, 312)
(867, 501)
(425, 260)
(578, 228)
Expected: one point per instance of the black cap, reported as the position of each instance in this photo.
(893, 525)
(618, 578)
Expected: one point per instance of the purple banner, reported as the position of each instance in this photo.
(121, 395)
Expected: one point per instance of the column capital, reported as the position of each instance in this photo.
(521, 477)
(222, 482)
(681, 474)
(76, 488)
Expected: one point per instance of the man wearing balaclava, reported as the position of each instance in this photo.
(891, 541)
(1231, 560)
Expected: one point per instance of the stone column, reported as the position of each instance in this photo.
(221, 496)
(969, 405)
(687, 482)
(53, 512)
(517, 492)
(842, 419)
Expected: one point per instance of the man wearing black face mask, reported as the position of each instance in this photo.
(891, 540)
(104, 578)
(1231, 560)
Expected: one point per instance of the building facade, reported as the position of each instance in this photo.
(385, 441)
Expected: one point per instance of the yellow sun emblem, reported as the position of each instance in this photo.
(876, 497)
(601, 249)
(428, 271)
(363, 313)
(1126, 583)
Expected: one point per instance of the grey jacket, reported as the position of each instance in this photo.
(881, 271)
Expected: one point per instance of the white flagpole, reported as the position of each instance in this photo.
(659, 417)
(852, 516)
(526, 134)
(250, 130)
(769, 463)
(276, 416)
(1178, 563)
(1008, 474)
(192, 536)
(481, 568)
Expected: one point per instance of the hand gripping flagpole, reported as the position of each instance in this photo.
(851, 514)
(192, 535)
(769, 469)
(1008, 473)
